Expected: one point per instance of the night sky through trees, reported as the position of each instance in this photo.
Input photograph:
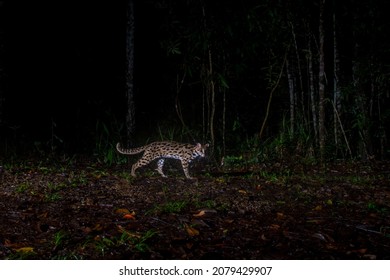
(63, 64)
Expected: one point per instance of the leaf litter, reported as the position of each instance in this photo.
(68, 212)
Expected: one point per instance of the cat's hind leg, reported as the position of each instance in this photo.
(160, 164)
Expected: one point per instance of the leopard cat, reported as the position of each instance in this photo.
(163, 150)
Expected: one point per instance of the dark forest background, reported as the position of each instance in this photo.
(270, 78)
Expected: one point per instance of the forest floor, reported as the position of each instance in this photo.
(84, 210)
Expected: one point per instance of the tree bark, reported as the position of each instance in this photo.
(130, 114)
(312, 93)
(321, 79)
(292, 97)
(212, 93)
(271, 95)
(336, 87)
(1, 65)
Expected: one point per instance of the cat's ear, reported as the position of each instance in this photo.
(198, 146)
(206, 145)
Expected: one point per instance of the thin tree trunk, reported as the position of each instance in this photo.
(271, 95)
(300, 77)
(362, 105)
(210, 85)
(224, 124)
(336, 87)
(292, 97)
(312, 92)
(1, 64)
(130, 114)
(212, 92)
(321, 84)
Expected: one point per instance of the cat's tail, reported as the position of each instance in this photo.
(129, 151)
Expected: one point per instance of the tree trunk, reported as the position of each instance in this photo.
(292, 97)
(336, 87)
(271, 95)
(312, 93)
(212, 93)
(210, 84)
(300, 77)
(130, 114)
(321, 84)
(1, 64)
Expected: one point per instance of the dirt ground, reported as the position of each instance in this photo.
(84, 210)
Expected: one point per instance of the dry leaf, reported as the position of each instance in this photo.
(191, 231)
(242, 191)
(128, 233)
(279, 215)
(274, 227)
(318, 208)
(7, 243)
(25, 250)
(129, 216)
(320, 236)
(122, 211)
(97, 227)
(200, 214)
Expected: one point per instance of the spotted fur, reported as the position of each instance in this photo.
(163, 150)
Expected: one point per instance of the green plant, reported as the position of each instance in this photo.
(169, 207)
(22, 187)
(173, 206)
(21, 255)
(51, 197)
(137, 241)
(205, 204)
(377, 208)
(168, 134)
(103, 244)
(106, 135)
(59, 237)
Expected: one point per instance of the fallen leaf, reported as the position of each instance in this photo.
(191, 231)
(43, 215)
(97, 227)
(319, 236)
(199, 223)
(25, 250)
(122, 211)
(279, 215)
(86, 230)
(200, 214)
(7, 243)
(274, 227)
(128, 233)
(318, 208)
(242, 191)
(129, 216)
